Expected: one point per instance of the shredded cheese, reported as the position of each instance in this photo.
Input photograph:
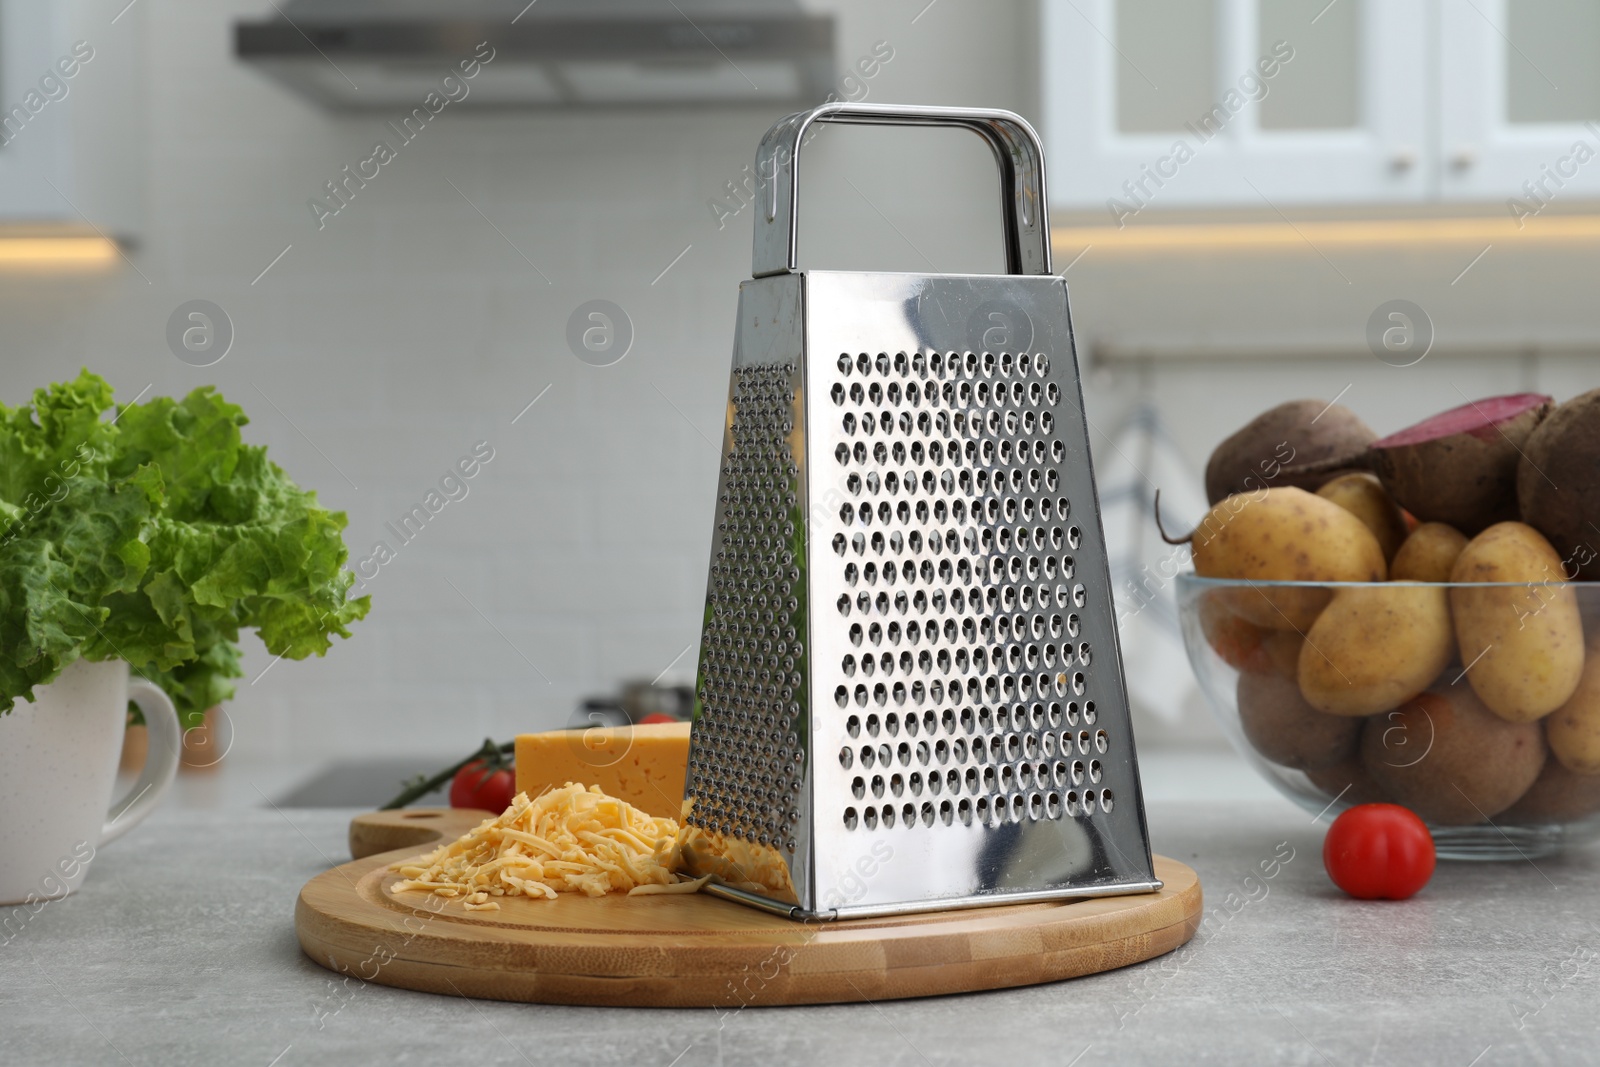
(567, 840)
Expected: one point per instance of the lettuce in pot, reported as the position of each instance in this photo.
(156, 536)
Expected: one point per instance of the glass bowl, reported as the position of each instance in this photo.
(1349, 692)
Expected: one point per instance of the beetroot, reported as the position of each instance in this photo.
(1458, 467)
(1558, 483)
(1484, 420)
(1299, 432)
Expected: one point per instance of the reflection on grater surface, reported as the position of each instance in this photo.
(910, 693)
(734, 860)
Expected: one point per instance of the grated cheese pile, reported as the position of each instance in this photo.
(567, 840)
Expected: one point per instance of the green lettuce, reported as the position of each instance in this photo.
(152, 533)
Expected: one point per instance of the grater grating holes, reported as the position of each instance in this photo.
(748, 766)
(951, 464)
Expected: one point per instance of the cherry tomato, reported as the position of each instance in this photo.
(655, 717)
(1378, 852)
(478, 786)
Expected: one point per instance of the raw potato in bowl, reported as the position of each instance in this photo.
(1362, 495)
(1375, 647)
(1243, 645)
(1557, 795)
(1450, 759)
(1522, 642)
(1429, 554)
(1573, 729)
(1283, 535)
(1281, 726)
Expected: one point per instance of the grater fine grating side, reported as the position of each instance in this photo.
(910, 692)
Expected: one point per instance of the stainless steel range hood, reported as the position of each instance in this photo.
(549, 53)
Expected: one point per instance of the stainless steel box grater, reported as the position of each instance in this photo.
(910, 693)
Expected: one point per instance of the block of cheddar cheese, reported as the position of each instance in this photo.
(644, 765)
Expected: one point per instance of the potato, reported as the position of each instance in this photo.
(1230, 637)
(1429, 554)
(1245, 646)
(1349, 781)
(1280, 654)
(1288, 731)
(1362, 495)
(1557, 795)
(1522, 643)
(1450, 759)
(1375, 647)
(1573, 729)
(1284, 534)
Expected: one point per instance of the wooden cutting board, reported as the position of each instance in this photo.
(698, 951)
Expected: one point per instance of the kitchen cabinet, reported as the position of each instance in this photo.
(1520, 116)
(72, 121)
(1253, 103)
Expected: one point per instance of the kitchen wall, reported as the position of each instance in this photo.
(429, 313)
(382, 347)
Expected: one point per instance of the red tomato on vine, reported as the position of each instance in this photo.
(478, 785)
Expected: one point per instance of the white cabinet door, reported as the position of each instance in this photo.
(73, 124)
(1176, 103)
(1520, 101)
(33, 127)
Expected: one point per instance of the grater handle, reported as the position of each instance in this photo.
(1016, 147)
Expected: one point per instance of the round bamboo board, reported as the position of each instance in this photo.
(699, 951)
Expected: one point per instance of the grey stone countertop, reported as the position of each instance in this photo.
(180, 949)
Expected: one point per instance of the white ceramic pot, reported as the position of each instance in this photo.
(58, 765)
